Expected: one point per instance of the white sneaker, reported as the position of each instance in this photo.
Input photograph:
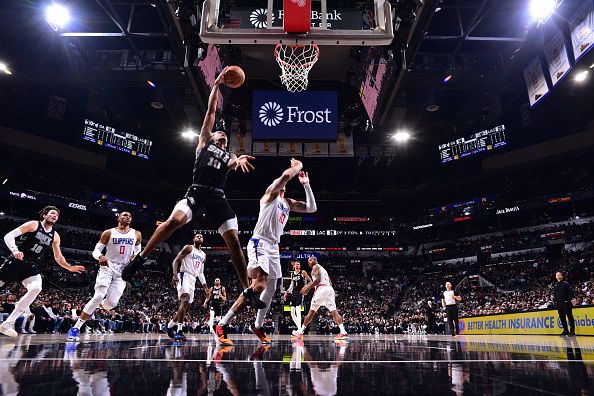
(8, 330)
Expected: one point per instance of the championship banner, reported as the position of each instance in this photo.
(290, 149)
(264, 148)
(240, 144)
(544, 322)
(316, 149)
(557, 59)
(535, 81)
(581, 24)
(343, 147)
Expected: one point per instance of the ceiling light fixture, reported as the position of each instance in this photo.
(57, 16)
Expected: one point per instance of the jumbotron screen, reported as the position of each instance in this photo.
(474, 144)
(107, 136)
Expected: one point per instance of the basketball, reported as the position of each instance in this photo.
(234, 77)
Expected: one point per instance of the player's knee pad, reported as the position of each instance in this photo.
(97, 298)
(33, 284)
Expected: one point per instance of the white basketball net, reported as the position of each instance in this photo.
(295, 62)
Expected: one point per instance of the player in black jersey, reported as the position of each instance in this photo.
(217, 295)
(299, 278)
(35, 237)
(206, 196)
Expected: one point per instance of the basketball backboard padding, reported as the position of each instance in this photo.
(211, 32)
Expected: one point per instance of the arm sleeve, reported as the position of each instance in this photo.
(310, 200)
(202, 278)
(290, 289)
(137, 249)
(98, 252)
(9, 239)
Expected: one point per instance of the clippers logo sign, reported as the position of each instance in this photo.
(310, 115)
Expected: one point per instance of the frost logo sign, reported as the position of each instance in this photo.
(271, 114)
(310, 115)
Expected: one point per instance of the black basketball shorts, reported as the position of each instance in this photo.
(14, 270)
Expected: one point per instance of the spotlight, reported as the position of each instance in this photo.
(4, 68)
(189, 134)
(581, 76)
(114, 210)
(57, 16)
(540, 10)
(401, 136)
(151, 84)
(447, 79)
(592, 66)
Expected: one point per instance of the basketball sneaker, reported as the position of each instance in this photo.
(260, 334)
(8, 330)
(341, 337)
(252, 300)
(129, 270)
(179, 336)
(73, 334)
(297, 335)
(221, 335)
(171, 332)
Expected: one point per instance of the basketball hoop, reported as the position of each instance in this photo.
(295, 61)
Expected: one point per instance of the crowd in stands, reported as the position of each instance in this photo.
(371, 300)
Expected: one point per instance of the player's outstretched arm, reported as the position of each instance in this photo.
(207, 299)
(177, 262)
(10, 238)
(309, 206)
(59, 257)
(211, 112)
(278, 184)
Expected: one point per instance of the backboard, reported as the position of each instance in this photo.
(333, 23)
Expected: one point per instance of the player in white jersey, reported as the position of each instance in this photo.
(323, 296)
(187, 266)
(121, 244)
(263, 254)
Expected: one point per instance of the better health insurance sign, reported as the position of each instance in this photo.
(304, 116)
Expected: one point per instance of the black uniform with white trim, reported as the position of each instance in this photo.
(298, 284)
(206, 195)
(33, 245)
(216, 303)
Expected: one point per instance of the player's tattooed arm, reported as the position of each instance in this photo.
(280, 183)
(177, 262)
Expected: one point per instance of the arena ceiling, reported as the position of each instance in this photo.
(102, 64)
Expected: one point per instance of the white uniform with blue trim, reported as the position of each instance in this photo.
(192, 267)
(263, 246)
(118, 251)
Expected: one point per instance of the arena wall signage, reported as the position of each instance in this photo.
(256, 18)
(77, 206)
(420, 227)
(508, 210)
(309, 115)
(534, 322)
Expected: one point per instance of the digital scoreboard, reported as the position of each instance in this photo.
(108, 136)
(474, 144)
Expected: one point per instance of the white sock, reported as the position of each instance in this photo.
(341, 327)
(298, 316)
(79, 323)
(227, 318)
(211, 319)
(171, 324)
